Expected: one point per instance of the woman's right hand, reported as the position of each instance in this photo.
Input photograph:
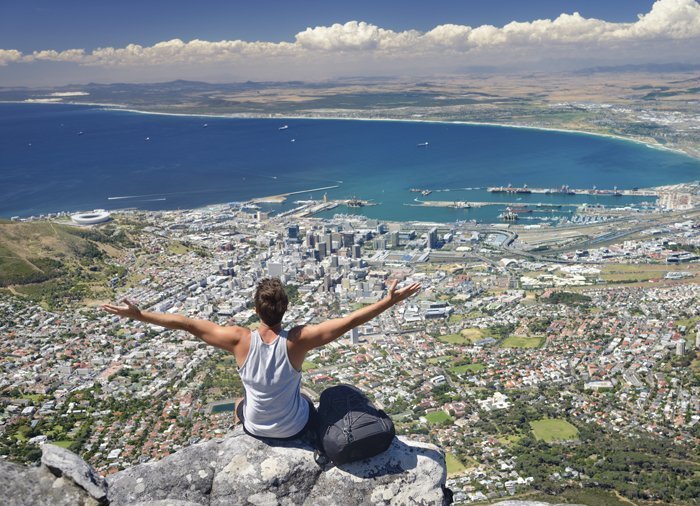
(129, 310)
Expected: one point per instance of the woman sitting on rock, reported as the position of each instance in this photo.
(270, 358)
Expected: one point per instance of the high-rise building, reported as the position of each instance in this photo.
(355, 336)
(356, 251)
(680, 347)
(394, 239)
(322, 250)
(310, 241)
(433, 238)
(293, 231)
(347, 239)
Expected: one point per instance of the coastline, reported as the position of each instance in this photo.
(480, 123)
(405, 120)
(124, 108)
(279, 198)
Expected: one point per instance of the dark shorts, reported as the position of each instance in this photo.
(310, 426)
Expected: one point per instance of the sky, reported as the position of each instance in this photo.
(49, 42)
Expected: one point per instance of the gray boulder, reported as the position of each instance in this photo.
(64, 463)
(237, 469)
(407, 473)
(252, 471)
(37, 486)
(186, 475)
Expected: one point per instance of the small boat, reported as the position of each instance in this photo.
(422, 144)
(205, 125)
(147, 139)
(283, 127)
(81, 133)
(425, 193)
(508, 215)
(293, 140)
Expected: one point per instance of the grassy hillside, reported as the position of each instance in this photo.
(55, 264)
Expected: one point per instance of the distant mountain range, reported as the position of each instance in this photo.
(646, 67)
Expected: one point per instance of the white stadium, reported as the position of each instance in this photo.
(91, 218)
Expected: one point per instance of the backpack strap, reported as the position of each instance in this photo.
(321, 458)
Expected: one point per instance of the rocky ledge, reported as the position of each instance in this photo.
(236, 469)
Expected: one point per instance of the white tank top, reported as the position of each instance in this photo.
(273, 405)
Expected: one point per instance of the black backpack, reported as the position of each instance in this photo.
(349, 427)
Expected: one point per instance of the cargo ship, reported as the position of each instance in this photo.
(510, 189)
(355, 202)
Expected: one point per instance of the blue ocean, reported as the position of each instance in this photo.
(72, 158)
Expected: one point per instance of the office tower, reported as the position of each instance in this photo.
(433, 238)
(680, 347)
(394, 239)
(355, 336)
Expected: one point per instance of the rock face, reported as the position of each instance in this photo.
(237, 469)
(22, 486)
(64, 463)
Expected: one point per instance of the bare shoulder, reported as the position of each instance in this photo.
(236, 332)
(229, 337)
(298, 337)
(294, 334)
(303, 337)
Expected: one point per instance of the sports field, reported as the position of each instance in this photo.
(461, 369)
(454, 339)
(465, 336)
(553, 429)
(521, 342)
(438, 417)
(642, 273)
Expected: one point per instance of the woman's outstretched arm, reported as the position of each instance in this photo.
(211, 333)
(314, 336)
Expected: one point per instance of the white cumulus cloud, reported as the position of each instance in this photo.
(69, 55)
(9, 55)
(668, 26)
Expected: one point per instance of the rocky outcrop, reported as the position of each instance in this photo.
(237, 469)
(66, 464)
(22, 486)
